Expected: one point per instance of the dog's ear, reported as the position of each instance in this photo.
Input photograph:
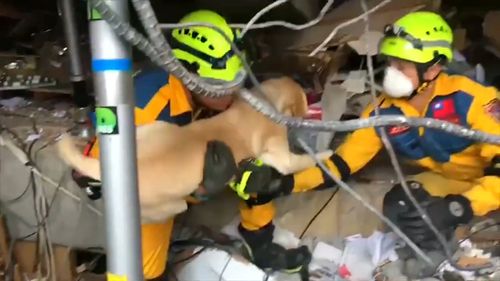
(287, 96)
(293, 100)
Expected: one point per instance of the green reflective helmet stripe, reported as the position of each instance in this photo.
(419, 37)
(392, 47)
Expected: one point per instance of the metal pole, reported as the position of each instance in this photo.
(76, 70)
(112, 67)
(80, 94)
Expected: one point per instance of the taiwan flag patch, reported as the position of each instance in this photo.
(445, 110)
(492, 108)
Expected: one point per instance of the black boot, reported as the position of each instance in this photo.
(271, 256)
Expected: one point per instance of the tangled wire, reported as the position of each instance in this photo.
(159, 51)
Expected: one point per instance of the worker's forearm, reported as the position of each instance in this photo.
(314, 177)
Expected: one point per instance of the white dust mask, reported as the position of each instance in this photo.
(396, 84)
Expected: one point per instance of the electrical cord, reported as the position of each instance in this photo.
(147, 16)
(262, 105)
(395, 163)
(129, 34)
(193, 255)
(390, 149)
(327, 202)
(21, 156)
(288, 25)
(225, 267)
(344, 24)
(41, 216)
(163, 57)
(370, 207)
(206, 244)
(42, 210)
(256, 17)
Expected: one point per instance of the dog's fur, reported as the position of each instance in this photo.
(171, 158)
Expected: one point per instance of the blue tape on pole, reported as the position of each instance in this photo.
(100, 65)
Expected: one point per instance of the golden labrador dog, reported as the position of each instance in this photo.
(170, 158)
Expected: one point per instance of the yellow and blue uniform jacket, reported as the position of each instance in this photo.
(456, 99)
(158, 96)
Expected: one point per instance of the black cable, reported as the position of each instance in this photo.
(193, 255)
(318, 213)
(31, 183)
(225, 266)
(11, 201)
(27, 236)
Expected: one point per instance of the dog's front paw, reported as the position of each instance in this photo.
(324, 154)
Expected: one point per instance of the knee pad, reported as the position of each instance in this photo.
(396, 201)
(397, 194)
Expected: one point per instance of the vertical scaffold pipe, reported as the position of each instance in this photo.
(113, 84)
(77, 76)
(81, 96)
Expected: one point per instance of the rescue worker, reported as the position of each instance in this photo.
(161, 96)
(462, 177)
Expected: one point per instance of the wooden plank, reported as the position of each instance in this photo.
(25, 255)
(4, 243)
(65, 260)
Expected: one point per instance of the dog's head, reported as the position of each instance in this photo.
(286, 95)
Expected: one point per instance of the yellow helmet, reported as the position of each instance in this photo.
(206, 48)
(419, 37)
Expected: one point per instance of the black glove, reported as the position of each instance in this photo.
(258, 179)
(220, 167)
(91, 186)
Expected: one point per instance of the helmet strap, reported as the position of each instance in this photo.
(423, 83)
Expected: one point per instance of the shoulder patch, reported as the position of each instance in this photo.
(492, 108)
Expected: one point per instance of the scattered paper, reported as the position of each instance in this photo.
(325, 259)
(357, 261)
(324, 251)
(380, 246)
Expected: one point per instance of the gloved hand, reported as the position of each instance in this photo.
(91, 186)
(220, 167)
(256, 178)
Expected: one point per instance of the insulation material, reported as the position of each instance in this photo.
(213, 264)
(367, 44)
(333, 105)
